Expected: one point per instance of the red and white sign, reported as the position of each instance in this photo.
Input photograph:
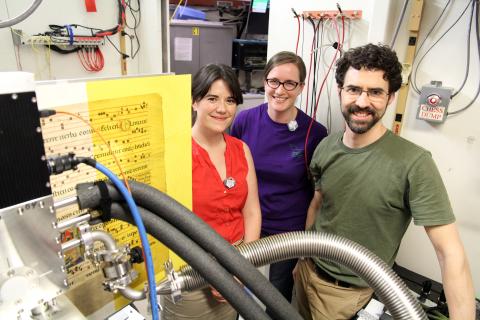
(432, 113)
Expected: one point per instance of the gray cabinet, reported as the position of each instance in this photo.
(194, 44)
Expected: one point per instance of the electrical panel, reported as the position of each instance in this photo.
(195, 44)
(434, 101)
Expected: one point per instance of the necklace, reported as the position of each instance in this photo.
(229, 182)
(292, 125)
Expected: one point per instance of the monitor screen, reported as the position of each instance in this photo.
(259, 6)
(258, 20)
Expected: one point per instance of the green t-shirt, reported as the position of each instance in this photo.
(371, 194)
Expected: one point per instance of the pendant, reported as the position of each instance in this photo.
(292, 125)
(229, 182)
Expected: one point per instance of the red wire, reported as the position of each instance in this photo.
(320, 91)
(120, 25)
(303, 32)
(97, 59)
(91, 59)
(315, 29)
(80, 56)
(100, 59)
(123, 15)
(298, 34)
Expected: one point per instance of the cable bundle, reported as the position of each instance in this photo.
(120, 24)
(474, 17)
(91, 58)
(316, 52)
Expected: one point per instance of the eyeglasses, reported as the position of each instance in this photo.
(288, 85)
(375, 94)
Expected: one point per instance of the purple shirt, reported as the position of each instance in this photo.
(283, 186)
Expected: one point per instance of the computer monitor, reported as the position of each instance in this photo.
(258, 20)
(259, 6)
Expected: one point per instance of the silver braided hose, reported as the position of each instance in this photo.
(390, 289)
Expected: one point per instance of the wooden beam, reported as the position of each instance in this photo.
(413, 28)
(123, 56)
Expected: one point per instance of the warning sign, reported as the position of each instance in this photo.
(431, 113)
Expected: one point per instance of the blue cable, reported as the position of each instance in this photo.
(141, 231)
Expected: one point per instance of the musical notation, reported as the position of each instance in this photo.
(128, 127)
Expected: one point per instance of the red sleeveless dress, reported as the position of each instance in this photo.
(217, 205)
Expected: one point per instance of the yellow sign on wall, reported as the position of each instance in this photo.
(145, 124)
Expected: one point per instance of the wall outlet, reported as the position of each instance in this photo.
(333, 14)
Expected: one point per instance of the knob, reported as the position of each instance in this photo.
(433, 100)
(136, 255)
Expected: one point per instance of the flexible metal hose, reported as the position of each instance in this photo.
(188, 250)
(189, 224)
(387, 285)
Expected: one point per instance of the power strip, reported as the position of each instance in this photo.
(66, 41)
(19, 38)
(332, 14)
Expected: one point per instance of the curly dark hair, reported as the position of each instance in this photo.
(372, 57)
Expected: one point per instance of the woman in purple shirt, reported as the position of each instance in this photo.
(276, 133)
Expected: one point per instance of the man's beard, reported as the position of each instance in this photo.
(360, 126)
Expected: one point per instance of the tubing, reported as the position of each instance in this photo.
(132, 294)
(147, 253)
(71, 244)
(62, 225)
(65, 202)
(193, 227)
(105, 238)
(198, 258)
(387, 285)
(101, 236)
(21, 17)
(197, 230)
(111, 245)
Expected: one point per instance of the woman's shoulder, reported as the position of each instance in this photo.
(318, 129)
(232, 141)
(252, 112)
(237, 148)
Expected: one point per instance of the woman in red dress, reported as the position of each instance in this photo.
(224, 184)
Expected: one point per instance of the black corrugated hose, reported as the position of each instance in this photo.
(197, 230)
(196, 257)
